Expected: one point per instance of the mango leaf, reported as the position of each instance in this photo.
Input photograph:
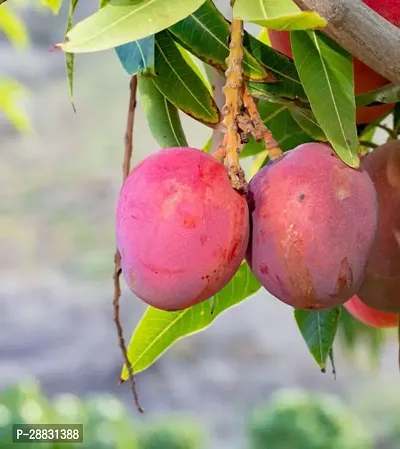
(252, 148)
(54, 5)
(205, 34)
(158, 330)
(386, 94)
(192, 63)
(13, 28)
(180, 84)
(318, 329)
(10, 92)
(287, 84)
(122, 21)
(70, 57)
(137, 57)
(326, 72)
(307, 122)
(207, 146)
(258, 162)
(277, 14)
(163, 118)
(263, 37)
(282, 125)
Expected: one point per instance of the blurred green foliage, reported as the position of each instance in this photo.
(11, 91)
(12, 26)
(171, 434)
(291, 419)
(106, 422)
(296, 419)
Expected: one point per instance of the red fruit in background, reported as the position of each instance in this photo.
(365, 79)
(389, 9)
(314, 220)
(381, 287)
(369, 316)
(182, 230)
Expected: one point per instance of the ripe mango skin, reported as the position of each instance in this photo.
(314, 220)
(369, 316)
(381, 286)
(181, 229)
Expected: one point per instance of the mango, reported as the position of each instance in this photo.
(181, 229)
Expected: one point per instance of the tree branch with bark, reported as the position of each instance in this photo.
(362, 32)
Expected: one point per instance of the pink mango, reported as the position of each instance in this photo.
(314, 220)
(182, 230)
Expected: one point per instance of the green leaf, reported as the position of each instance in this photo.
(207, 146)
(251, 148)
(54, 5)
(70, 57)
(277, 14)
(192, 63)
(13, 28)
(137, 57)
(158, 330)
(205, 34)
(263, 37)
(386, 94)
(259, 160)
(326, 72)
(287, 86)
(103, 3)
(318, 329)
(162, 116)
(307, 122)
(122, 21)
(282, 125)
(10, 92)
(180, 84)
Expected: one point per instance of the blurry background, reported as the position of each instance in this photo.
(58, 184)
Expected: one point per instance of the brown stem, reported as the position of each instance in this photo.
(233, 103)
(262, 132)
(117, 259)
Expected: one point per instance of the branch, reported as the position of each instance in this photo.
(362, 32)
(233, 103)
(117, 258)
(262, 132)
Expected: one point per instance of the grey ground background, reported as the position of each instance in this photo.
(58, 187)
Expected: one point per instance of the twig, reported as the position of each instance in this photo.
(362, 32)
(366, 143)
(262, 132)
(392, 134)
(233, 104)
(2, 1)
(117, 258)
